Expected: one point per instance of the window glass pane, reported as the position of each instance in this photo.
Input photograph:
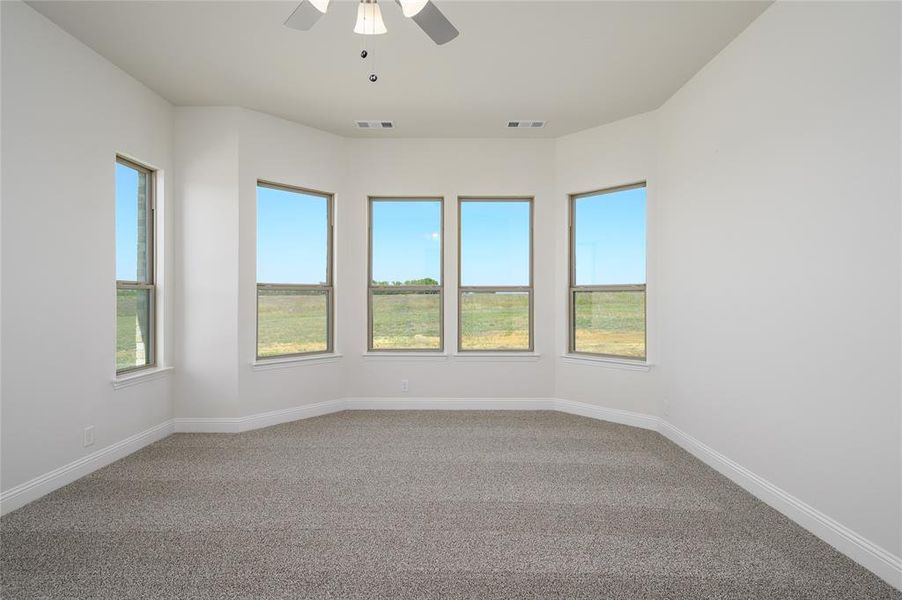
(131, 224)
(494, 321)
(292, 322)
(292, 236)
(407, 242)
(133, 328)
(610, 323)
(609, 238)
(406, 320)
(494, 243)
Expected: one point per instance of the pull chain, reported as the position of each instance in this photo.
(364, 53)
(373, 77)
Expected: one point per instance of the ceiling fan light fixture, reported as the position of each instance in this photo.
(411, 8)
(424, 13)
(369, 19)
(320, 5)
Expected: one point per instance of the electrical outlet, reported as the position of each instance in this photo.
(88, 436)
(404, 385)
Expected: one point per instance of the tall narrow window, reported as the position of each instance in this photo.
(135, 290)
(607, 272)
(405, 274)
(294, 271)
(495, 274)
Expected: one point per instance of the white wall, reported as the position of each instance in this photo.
(779, 258)
(280, 151)
(207, 250)
(67, 112)
(222, 153)
(448, 168)
(599, 158)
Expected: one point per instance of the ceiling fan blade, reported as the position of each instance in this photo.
(435, 24)
(304, 16)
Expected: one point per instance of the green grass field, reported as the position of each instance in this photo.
(290, 323)
(131, 349)
(611, 323)
(494, 321)
(406, 321)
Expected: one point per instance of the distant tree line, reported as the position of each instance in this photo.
(424, 281)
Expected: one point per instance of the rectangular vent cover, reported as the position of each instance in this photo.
(525, 124)
(375, 124)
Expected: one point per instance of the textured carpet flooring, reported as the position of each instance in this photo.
(416, 505)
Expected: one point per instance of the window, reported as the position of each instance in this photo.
(135, 289)
(495, 274)
(405, 274)
(294, 271)
(607, 272)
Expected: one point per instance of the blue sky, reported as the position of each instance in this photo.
(292, 229)
(610, 238)
(292, 233)
(494, 243)
(126, 223)
(406, 240)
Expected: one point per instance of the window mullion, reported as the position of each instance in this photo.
(134, 285)
(293, 286)
(626, 287)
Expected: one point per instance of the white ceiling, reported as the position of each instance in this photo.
(574, 64)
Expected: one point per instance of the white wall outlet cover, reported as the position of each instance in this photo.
(88, 439)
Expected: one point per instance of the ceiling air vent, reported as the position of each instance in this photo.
(525, 124)
(375, 124)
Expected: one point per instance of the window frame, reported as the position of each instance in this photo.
(529, 289)
(149, 283)
(328, 287)
(573, 289)
(371, 289)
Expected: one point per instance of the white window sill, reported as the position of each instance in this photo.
(129, 379)
(269, 364)
(603, 361)
(406, 356)
(497, 356)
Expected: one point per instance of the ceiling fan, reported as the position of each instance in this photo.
(369, 18)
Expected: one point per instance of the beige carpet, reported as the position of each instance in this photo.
(417, 505)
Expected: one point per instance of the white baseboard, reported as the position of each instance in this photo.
(878, 560)
(207, 424)
(22, 494)
(258, 421)
(572, 407)
(871, 556)
(268, 419)
(276, 417)
(614, 415)
(449, 403)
